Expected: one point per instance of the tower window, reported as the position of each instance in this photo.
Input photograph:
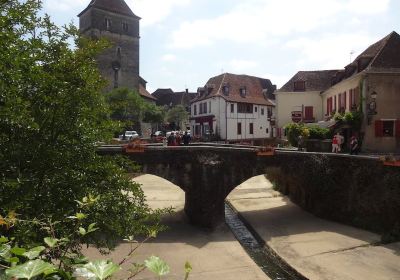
(125, 26)
(107, 22)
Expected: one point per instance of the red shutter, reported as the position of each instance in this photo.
(378, 128)
(309, 113)
(345, 101)
(398, 129)
(335, 104)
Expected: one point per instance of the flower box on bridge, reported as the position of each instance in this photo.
(136, 146)
(266, 151)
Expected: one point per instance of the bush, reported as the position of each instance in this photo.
(294, 130)
(321, 133)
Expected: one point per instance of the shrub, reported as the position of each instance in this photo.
(294, 130)
(317, 132)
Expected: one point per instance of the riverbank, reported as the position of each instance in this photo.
(316, 248)
(213, 255)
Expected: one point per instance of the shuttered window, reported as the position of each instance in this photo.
(309, 113)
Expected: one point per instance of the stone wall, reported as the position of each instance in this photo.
(353, 190)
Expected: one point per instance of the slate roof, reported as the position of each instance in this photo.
(115, 6)
(166, 96)
(383, 55)
(315, 80)
(258, 90)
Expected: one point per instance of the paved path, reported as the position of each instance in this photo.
(213, 255)
(316, 248)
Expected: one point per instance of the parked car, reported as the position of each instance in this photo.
(129, 135)
(158, 133)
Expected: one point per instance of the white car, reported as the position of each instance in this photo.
(129, 135)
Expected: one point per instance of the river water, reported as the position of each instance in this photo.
(272, 265)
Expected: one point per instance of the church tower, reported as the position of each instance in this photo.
(114, 20)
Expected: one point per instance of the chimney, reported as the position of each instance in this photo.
(187, 90)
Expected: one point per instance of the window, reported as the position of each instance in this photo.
(255, 109)
(209, 106)
(243, 92)
(269, 111)
(267, 130)
(384, 128)
(388, 128)
(329, 105)
(245, 108)
(251, 128)
(299, 86)
(125, 26)
(239, 128)
(262, 111)
(204, 108)
(107, 22)
(195, 109)
(119, 52)
(225, 89)
(232, 108)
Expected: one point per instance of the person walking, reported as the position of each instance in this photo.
(186, 139)
(335, 144)
(171, 140)
(354, 146)
(340, 141)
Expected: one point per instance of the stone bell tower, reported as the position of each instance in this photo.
(114, 20)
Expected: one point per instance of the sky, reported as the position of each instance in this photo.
(185, 42)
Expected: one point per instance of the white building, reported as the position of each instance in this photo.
(299, 100)
(234, 108)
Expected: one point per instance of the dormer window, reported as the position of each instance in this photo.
(107, 22)
(299, 86)
(125, 26)
(225, 89)
(243, 92)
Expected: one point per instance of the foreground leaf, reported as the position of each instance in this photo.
(51, 242)
(34, 252)
(157, 266)
(97, 270)
(30, 269)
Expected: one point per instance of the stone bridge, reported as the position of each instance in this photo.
(329, 185)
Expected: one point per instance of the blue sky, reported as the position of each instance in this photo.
(185, 42)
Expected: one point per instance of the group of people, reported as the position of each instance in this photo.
(338, 141)
(176, 139)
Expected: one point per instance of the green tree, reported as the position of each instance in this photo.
(177, 115)
(294, 130)
(129, 108)
(51, 115)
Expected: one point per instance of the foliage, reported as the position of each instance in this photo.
(317, 132)
(52, 113)
(129, 108)
(177, 115)
(353, 118)
(59, 261)
(294, 130)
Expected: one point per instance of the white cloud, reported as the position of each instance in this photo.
(169, 57)
(155, 11)
(242, 65)
(332, 51)
(259, 21)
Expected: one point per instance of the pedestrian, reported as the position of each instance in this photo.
(164, 141)
(300, 142)
(171, 139)
(178, 139)
(335, 144)
(340, 141)
(186, 139)
(354, 146)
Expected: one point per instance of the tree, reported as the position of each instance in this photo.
(129, 108)
(177, 115)
(51, 115)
